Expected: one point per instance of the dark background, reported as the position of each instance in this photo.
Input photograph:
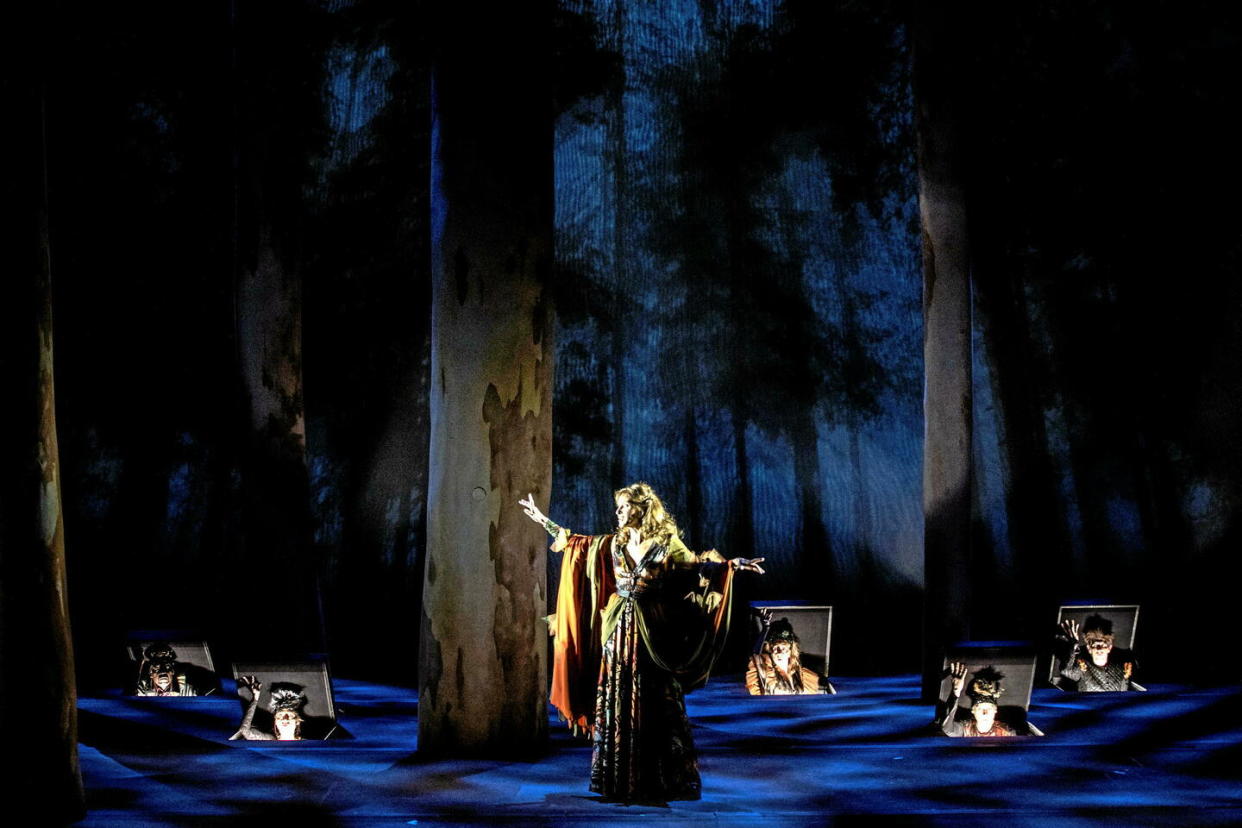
(738, 296)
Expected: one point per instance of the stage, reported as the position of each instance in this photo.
(1171, 756)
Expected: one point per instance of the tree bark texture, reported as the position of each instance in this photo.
(275, 481)
(482, 676)
(947, 395)
(38, 695)
(276, 521)
(1037, 522)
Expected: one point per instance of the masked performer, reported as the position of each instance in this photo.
(638, 618)
(158, 674)
(286, 708)
(985, 692)
(1101, 668)
(777, 670)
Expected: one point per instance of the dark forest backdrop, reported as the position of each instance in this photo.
(239, 216)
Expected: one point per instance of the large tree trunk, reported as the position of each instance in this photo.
(276, 522)
(946, 341)
(38, 695)
(482, 682)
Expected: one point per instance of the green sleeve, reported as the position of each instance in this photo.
(679, 554)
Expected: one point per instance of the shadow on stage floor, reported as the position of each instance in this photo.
(1172, 756)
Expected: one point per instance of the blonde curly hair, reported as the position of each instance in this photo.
(654, 521)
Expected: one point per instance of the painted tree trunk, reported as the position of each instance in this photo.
(483, 672)
(947, 395)
(275, 482)
(276, 523)
(1038, 536)
(619, 161)
(38, 695)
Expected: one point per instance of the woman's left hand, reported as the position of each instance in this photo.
(746, 564)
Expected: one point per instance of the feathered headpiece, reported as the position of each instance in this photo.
(286, 698)
(160, 657)
(782, 630)
(986, 687)
(1097, 626)
(159, 651)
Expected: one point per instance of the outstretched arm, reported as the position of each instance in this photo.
(947, 717)
(765, 623)
(532, 512)
(1069, 663)
(246, 730)
(711, 559)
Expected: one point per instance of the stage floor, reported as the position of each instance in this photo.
(1172, 756)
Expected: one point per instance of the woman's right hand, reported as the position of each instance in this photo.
(532, 511)
(1069, 628)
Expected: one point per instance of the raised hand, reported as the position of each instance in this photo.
(957, 670)
(532, 511)
(1070, 627)
(250, 683)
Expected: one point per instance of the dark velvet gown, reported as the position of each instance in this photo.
(646, 631)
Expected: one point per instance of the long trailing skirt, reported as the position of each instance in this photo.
(642, 747)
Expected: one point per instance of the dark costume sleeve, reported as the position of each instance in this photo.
(1071, 668)
(246, 731)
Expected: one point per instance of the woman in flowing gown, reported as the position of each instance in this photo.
(639, 619)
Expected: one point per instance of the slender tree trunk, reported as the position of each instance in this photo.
(738, 233)
(482, 682)
(856, 369)
(821, 576)
(742, 540)
(619, 161)
(946, 341)
(38, 695)
(1038, 535)
(276, 518)
(275, 481)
